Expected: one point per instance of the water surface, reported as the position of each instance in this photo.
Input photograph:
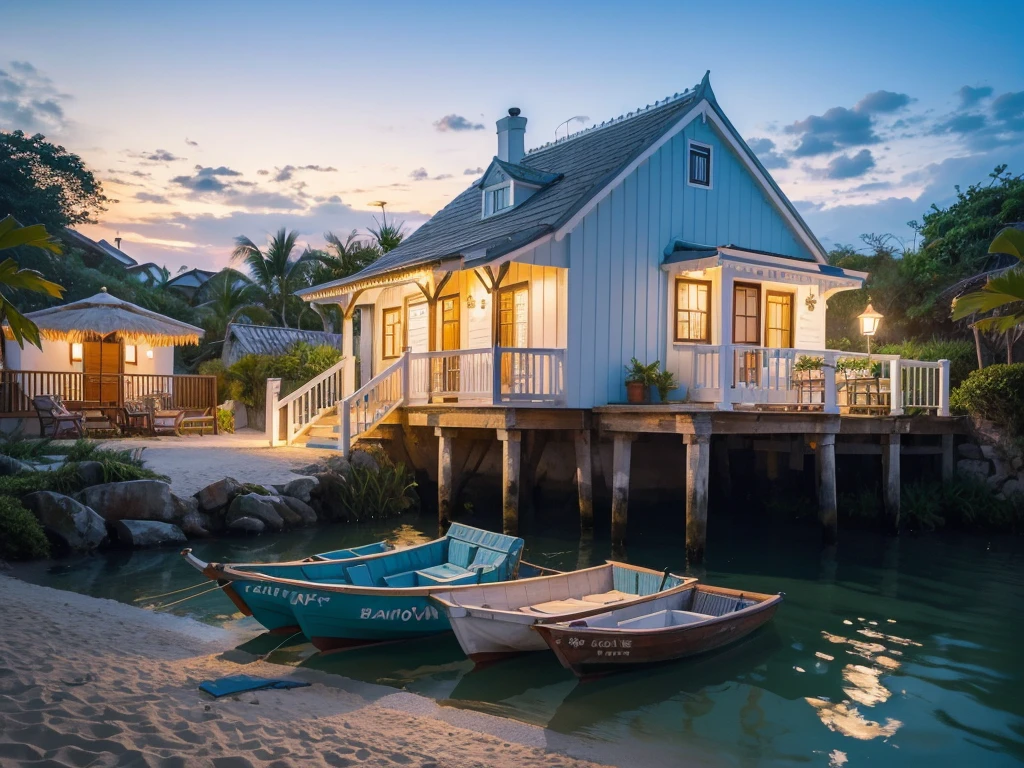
(886, 651)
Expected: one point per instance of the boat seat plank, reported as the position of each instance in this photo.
(607, 598)
(571, 605)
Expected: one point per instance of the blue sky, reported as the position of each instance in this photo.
(213, 119)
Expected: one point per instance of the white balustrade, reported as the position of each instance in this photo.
(295, 413)
(372, 402)
(528, 376)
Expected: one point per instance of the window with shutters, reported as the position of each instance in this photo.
(700, 165)
(693, 310)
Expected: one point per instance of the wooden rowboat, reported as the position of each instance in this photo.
(693, 620)
(493, 621)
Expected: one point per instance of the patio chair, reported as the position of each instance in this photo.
(55, 420)
(135, 418)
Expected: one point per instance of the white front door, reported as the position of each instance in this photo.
(417, 327)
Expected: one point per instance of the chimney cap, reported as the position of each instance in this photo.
(514, 111)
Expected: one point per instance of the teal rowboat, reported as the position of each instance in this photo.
(373, 598)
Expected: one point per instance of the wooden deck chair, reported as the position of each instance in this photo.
(55, 419)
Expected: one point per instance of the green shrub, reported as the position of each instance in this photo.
(963, 358)
(995, 393)
(21, 535)
(226, 389)
(17, 446)
(366, 494)
(259, 490)
(964, 503)
(225, 420)
(248, 377)
(118, 466)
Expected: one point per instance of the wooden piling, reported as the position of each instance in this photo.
(584, 480)
(511, 441)
(697, 470)
(825, 455)
(445, 479)
(723, 467)
(891, 479)
(621, 453)
(796, 454)
(948, 458)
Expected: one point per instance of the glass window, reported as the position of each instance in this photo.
(746, 309)
(778, 320)
(499, 199)
(700, 165)
(392, 332)
(693, 310)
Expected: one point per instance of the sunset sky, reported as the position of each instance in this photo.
(207, 120)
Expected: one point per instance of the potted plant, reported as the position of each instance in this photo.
(664, 382)
(638, 380)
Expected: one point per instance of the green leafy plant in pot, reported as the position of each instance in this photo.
(664, 382)
(639, 378)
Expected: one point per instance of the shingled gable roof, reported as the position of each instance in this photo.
(585, 164)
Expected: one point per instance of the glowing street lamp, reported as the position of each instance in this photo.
(869, 320)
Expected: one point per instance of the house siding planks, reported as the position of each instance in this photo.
(617, 293)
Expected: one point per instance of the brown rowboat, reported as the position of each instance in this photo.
(671, 627)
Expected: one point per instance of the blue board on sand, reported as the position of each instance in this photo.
(225, 686)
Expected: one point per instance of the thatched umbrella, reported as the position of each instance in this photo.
(99, 316)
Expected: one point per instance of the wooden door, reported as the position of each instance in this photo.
(778, 320)
(451, 338)
(746, 330)
(513, 329)
(101, 364)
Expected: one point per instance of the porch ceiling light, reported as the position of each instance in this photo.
(869, 320)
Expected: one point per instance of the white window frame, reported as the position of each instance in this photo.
(711, 164)
(484, 213)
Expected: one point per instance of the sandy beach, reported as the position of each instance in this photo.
(91, 682)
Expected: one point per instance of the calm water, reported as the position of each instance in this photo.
(886, 651)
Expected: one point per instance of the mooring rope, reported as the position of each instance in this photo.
(267, 654)
(175, 592)
(185, 599)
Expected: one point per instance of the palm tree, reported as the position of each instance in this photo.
(342, 257)
(388, 236)
(1002, 294)
(273, 269)
(14, 278)
(227, 296)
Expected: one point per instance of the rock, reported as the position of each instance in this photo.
(133, 500)
(91, 473)
(72, 524)
(246, 525)
(184, 505)
(300, 488)
(148, 533)
(973, 467)
(219, 494)
(360, 458)
(328, 497)
(196, 525)
(302, 509)
(1017, 463)
(291, 519)
(10, 466)
(969, 451)
(1013, 487)
(312, 469)
(259, 507)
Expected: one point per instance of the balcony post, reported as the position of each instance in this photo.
(896, 388)
(725, 375)
(496, 375)
(445, 475)
(344, 428)
(943, 387)
(828, 371)
(348, 371)
(511, 444)
(272, 425)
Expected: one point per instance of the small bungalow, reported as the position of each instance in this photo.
(100, 352)
(244, 339)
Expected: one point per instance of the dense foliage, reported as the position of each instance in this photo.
(369, 493)
(246, 380)
(995, 393)
(965, 503)
(960, 353)
(21, 535)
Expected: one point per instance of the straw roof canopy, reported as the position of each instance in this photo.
(101, 315)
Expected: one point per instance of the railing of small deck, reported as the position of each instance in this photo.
(296, 412)
(800, 377)
(529, 376)
(371, 403)
(186, 392)
(460, 373)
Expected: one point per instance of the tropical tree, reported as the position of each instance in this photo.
(274, 269)
(14, 278)
(1002, 294)
(388, 236)
(226, 297)
(342, 258)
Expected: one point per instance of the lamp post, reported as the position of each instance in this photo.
(869, 320)
(380, 204)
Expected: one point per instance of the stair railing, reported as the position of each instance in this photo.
(371, 403)
(291, 416)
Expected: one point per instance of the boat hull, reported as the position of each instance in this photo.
(590, 651)
(337, 619)
(487, 639)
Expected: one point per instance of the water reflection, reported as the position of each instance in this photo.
(885, 651)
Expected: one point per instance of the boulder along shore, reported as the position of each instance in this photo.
(85, 681)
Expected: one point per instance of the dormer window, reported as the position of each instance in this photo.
(700, 165)
(498, 199)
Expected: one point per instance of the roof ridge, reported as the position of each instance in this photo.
(687, 94)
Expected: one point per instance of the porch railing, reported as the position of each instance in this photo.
(185, 392)
(295, 413)
(462, 373)
(372, 402)
(829, 380)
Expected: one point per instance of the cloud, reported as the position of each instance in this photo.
(29, 101)
(1009, 108)
(162, 156)
(881, 102)
(420, 174)
(767, 154)
(872, 186)
(457, 123)
(850, 166)
(960, 124)
(262, 172)
(206, 179)
(148, 197)
(286, 173)
(839, 127)
(190, 142)
(970, 96)
(473, 171)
